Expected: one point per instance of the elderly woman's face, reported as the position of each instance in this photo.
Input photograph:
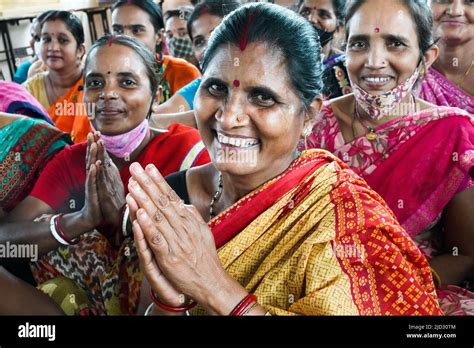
(382, 46)
(248, 116)
(453, 20)
(119, 89)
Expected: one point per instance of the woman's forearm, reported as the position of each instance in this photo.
(39, 233)
(452, 269)
(165, 120)
(221, 299)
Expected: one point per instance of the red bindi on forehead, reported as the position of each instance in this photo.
(236, 83)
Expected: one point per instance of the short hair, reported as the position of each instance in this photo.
(218, 8)
(147, 57)
(420, 12)
(150, 7)
(72, 22)
(282, 30)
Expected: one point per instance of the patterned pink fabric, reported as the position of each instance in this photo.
(438, 90)
(430, 152)
(417, 164)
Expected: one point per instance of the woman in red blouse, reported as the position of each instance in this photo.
(86, 184)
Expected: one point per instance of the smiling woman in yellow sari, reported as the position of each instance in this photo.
(286, 233)
(59, 89)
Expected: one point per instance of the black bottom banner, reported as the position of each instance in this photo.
(135, 331)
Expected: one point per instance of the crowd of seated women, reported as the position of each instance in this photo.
(307, 157)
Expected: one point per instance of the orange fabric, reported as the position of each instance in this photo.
(178, 73)
(69, 114)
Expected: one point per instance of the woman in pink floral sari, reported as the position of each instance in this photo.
(450, 82)
(418, 157)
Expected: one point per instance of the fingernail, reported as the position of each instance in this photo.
(151, 169)
(136, 168)
(141, 212)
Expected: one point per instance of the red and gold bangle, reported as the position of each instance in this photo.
(61, 233)
(243, 305)
(170, 308)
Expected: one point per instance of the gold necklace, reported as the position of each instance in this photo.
(217, 195)
(371, 135)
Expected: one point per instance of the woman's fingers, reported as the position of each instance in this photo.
(101, 151)
(91, 181)
(144, 252)
(148, 263)
(158, 191)
(96, 136)
(156, 215)
(141, 197)
(93, 153)
(147, 259)
(167, 202)
(132, 206)
(92, 196)
(150, 187)
(90, 138)
(156, 240)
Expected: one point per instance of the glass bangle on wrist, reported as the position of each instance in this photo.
(244, 306)
(161, 305)
(58, 233)
(150, 307)
(124, 215)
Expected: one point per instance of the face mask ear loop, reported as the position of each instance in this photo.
(150, 110)
(423, 69)
(422, 61)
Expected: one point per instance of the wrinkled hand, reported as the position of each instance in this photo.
(179, 240)
(161, 286)
(109, 186)
(91, 212)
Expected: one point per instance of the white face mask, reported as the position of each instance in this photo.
(378, 106)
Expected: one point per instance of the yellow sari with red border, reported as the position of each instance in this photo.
(316, 240)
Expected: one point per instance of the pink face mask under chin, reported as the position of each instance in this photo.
(122, 145)
(378, 106)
